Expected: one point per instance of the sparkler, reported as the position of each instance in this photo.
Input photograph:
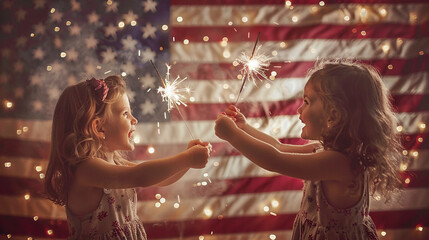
(172, 93)
(254, 66)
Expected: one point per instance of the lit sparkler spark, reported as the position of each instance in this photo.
(172, 93)
(254, 66)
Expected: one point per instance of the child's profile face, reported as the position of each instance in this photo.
(120, 126)
(312, 114)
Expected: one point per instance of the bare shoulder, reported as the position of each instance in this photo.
(339, 163)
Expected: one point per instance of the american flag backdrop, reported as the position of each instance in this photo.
(46, 45)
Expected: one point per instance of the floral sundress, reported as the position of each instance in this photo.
(318, 220)
(115, 218)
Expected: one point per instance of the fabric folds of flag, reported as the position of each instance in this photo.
(48, 45)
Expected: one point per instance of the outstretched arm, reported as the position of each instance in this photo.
(326, 165)
(99, 173)
(241, 122)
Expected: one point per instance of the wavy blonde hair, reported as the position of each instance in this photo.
(73, 139)
(366, 130)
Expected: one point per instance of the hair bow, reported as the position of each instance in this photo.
(99, 87)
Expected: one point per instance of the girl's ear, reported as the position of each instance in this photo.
(97, 128)
(333, 117)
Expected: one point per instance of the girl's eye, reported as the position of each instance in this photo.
(126, 114)
(306, 101)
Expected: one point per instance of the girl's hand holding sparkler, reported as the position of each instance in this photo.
(198, 142)
(198, 153)
(234, 113)
(225, 127)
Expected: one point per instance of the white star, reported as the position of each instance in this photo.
(112, 7)
(75, 5)
(90, 69)
(147, 107)
(39, 4)
(37, 105)
(110, 30)
(148, 54)
(75, 30)
(57, 67)
(91, 42)
(18, 66)
(71, 80)
(5, 52)
(57, 42)
(93, 18)
(53, 93)
(39, 28)
(131, 95)
(35, 79)
(130, 16)
(129, 68)
(4, 78)
(38, 53)
(21, 41)
(129, 43)
(56, 16)
(148, 31)
(149, 5)
(19, 92)
(147, 81)
(7, 28)
(72, 55)
(7, 4)
(20, 15)
(108, 55)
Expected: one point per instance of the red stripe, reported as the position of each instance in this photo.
(140, 152)
(282, 2)
(226, 71)
(189, 228)
(410, 103)
(215, 188)
(283, 33)
(24, 148)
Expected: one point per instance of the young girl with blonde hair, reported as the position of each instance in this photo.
(346, 109)
(87, 174)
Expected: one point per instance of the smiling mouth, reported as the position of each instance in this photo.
(130, 134)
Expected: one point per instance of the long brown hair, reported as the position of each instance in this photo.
(72, 139)
(366, 128)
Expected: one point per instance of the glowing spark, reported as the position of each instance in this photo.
(254, 66)
(172, 93)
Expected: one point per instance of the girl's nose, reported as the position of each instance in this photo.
(134, 121)
(299, 110)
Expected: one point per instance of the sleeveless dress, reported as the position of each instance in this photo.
(318, 220)
(115, 218)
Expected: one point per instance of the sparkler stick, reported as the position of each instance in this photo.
(172, 94)
(244, 76)
(254, 66)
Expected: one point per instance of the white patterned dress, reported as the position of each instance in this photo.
(115, 218)
(318, 220)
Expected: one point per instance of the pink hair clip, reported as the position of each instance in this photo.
(100, 88)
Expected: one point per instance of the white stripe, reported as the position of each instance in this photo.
(225, 91)
(22, 167)
(307, 14)
(194, 208)
(301, 50)
(175, 132)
